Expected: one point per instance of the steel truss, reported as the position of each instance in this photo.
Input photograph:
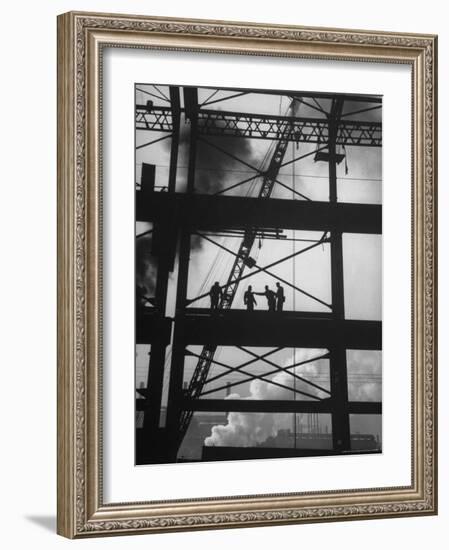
(258, 126)
(329, 131)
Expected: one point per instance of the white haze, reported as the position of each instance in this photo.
(249, 429)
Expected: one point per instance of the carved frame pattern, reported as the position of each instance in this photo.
(81, 37)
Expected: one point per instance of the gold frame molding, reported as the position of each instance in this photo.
(81, 37)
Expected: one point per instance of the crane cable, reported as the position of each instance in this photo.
(220, 254)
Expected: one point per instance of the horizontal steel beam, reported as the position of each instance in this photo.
(246, 453)
(152, 328)
(262, 328)
(278, 406)
(260, 126)
(225, 212)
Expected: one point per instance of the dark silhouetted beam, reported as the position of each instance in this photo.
(278, 406)
(152, 328)
(247, 453)
(262, 328)
(220, 212)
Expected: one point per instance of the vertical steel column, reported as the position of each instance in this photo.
(176, 117)
(176, 391)
(155, 378)
(338, 367)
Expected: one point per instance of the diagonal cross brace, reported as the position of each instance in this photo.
(258, 171)
(285, 369)
(265, 269)
(263, 376)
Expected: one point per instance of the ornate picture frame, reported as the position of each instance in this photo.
(82, 39)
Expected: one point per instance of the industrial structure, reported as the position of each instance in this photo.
(178, 215)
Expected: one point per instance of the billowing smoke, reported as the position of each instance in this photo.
(146, 268)
(250, 429)
(217, 170)
(214, 169)
(243, 429)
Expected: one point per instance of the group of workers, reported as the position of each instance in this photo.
(275, 300)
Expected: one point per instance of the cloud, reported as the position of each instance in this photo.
(250, 429)
(146, 265)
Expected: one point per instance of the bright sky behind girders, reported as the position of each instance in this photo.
(309, 271)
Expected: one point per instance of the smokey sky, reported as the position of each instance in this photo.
(309, 271)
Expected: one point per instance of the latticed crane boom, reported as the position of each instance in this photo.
(242, 259)
(328, 130)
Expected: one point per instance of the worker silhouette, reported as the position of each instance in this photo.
(270, 296)
(215, 295)
(280, 298)
(249, 300)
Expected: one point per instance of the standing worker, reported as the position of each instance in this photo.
(270, 295)
(249, 300)
(215, 296)
(280, 298)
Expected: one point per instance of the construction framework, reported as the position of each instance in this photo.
(177, 216)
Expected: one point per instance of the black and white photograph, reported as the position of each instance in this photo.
(258, 274)
(222, 253)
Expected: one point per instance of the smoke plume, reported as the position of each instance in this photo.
(250, 429)
(214, 169)
(146, 268)
(217, 170)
